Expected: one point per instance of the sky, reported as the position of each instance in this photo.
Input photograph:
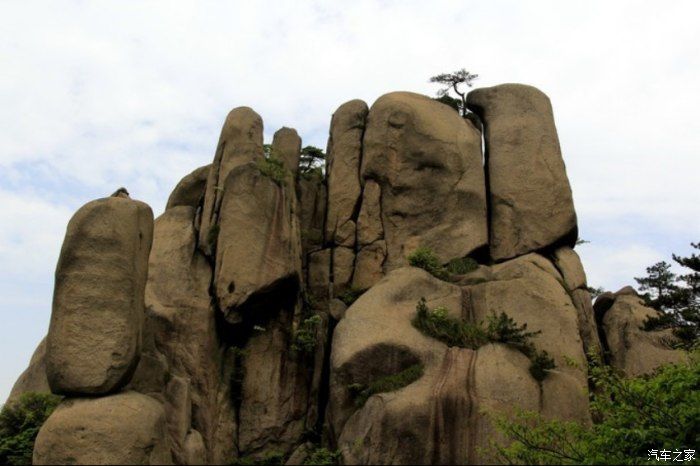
(98, 95)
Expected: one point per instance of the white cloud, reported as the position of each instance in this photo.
(97, 96)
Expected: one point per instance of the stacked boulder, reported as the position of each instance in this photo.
(239, 335)
(95, 341)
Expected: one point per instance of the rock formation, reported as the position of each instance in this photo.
(246, 319)
(529, 194)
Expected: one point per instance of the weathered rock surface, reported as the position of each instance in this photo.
(274, 393)
(632, 349)
(94, 339)
(190, 189)
(286, 145)
(241, 142)
(126, 428)
(257, 254)
(441, 417)
(183, 342)
(427, 163)
(531, 206)
(248, 350)
(343, 168)
(33, 379)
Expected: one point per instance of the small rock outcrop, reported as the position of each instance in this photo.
(250, 320)
(633, 350)
(190, 189)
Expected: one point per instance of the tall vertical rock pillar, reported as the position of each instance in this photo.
(94, 339)
(531, 206)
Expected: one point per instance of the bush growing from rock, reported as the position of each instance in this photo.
(323, 457)
(426, 259)
(462, 266)
(388, 383)
(350, 295)
(305, 336)
(273, 168)
(437, 323)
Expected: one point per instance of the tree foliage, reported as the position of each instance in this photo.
(676, 297)
(20, 422)
(456, 82)
(311, 160)
(656, 412)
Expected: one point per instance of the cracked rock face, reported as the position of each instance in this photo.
(270, 298)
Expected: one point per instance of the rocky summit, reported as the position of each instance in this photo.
(273, 310)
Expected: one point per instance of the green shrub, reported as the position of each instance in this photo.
(540, 364)
(426, 259)
(633, 416)
(462, 266)
(20, 422)
(350, 295)
(305, 336)
(503, 329)
(388, 383)
(273, 168)
(500, 328)
(323, 457)
(453, 332)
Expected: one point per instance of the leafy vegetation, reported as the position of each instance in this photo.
(311, 161)
(306, 335)
(424, 258)
(634, 416)
(323, 457)
(273, 168)
(676, 297)
(595, 292)
(20, 422)
(388, 383)
(462, 266)
(437, 323)
(350, 295)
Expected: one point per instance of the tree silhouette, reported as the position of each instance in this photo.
(455, 82)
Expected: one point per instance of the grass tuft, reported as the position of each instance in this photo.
(389, 383)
